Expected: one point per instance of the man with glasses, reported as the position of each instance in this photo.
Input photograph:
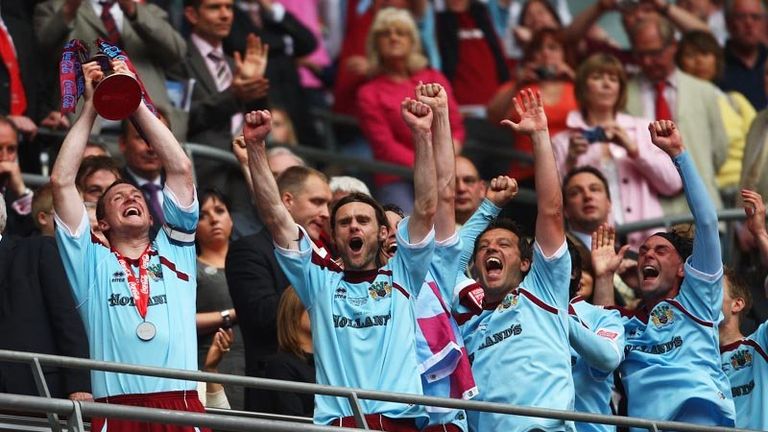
(470, 189)
(745, 51)
(663, 92)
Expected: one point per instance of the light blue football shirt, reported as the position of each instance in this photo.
(745, 362)
(520, 351)
(604, 333)
(676, 347)
(108, 312)
(363, 324)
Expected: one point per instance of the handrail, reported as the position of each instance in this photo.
(725, 215)
(271, 384)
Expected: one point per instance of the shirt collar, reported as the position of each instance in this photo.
(141, 181)
(205, 47)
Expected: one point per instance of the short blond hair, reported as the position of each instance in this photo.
(385, 18)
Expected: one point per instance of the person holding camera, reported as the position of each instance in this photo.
(617, 144)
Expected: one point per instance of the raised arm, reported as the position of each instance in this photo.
(67, 201)
(605, 262)
(550, 226)
(177, 166)
(706, 255)
(436, 97)
(755, 210)
(418, 117)
(266, 196)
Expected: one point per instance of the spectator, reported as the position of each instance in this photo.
(255, 279)
(144, 170)
(711, 12)
(470, 189)
(155, 327)
(471, 54)
(532, 342)
(631, 13)
(745, 51)
(587, 206)
(38, 314)
(342, 186)
(42, 210)
(295, 359)
(664, 92)
(12, 186)
(284, 132)
(396, 67)
(214, 306)
(95, 149)
(617, 144)
(681, 288)
(701, 56)
(224, 88)
(141, 29)
(743, 358)
(596, 338)
(368, 333)
(288, 40)
(95, 175)
(282, 158)
(536, 15)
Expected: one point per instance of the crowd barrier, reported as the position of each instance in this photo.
(76, 411)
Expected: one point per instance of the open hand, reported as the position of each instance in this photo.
(417, 115)
(253, 64)
(501, 190)
(432, 94)
(754, 207)
(605, 259)
(665, 136)
(257, 126)
(530, 108)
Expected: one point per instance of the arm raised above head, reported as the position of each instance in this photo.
(266, 195)
(67, 201)
(418, 117)
(550, 225)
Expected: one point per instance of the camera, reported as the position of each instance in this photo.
(545, 72)
(595, 135)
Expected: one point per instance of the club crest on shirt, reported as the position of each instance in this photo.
(662, 316)
(380, 290)
(741, 359)
(155, 271)
(509, 301)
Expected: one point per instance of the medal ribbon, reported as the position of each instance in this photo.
(139, 288)
(115, 53)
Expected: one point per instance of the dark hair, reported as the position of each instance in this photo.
(92, 164)
(586, 169)
(211, 193)
(381, 218)
(600, 62)
(702, 42)
(523, 242)
(547, 5)
(292, 179)
(682, 244)
(100, 202)
(4, 120)
(738, 288)
(541, 36)
(394, 208)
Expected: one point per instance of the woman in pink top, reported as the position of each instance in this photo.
(617, 144)
(396, 68)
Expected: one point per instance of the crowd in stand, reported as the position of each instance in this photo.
(444, 283)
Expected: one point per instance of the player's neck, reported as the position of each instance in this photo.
(130, 247)
(729, 332)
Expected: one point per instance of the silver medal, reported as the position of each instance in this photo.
(146, 331)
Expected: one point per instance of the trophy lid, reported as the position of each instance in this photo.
(117, 96)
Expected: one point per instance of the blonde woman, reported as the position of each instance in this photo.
(397, 65)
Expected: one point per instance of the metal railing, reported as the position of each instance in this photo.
(75, 410)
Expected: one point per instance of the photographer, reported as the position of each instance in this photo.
(617, 144)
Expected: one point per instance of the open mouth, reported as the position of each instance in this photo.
(650, 272)
(493, 266)
(356, 244)
(131, 211)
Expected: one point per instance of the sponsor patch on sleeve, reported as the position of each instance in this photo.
(608, 334)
